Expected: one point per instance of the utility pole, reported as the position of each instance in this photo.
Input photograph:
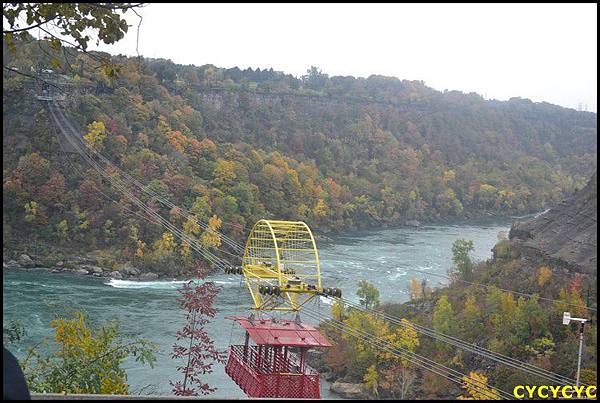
(566, 320)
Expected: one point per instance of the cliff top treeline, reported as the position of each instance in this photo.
(336, 152)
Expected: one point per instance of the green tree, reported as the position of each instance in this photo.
(444, 320)
(368, 294)
(461, 258)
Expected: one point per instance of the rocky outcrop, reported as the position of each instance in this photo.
(564, 235)
(12, 264)
(348, 390)
(116, 275)
(148, 276)
(93, 269)
(129, 270)
(26, 261)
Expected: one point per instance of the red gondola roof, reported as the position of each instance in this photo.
(281, 333)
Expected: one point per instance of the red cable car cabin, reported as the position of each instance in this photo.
(271, 368)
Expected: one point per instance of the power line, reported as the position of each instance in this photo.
(419, 360)
(502, 289)
(454, 341)
(119, 185)
(163, 200)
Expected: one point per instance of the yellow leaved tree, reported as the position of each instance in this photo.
(477, 388)
(95, 136)
(191, 228)
(211, 236)
(88, 359)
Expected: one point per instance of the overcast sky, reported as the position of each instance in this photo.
(536, 51)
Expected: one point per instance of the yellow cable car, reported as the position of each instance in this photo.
(281, 266)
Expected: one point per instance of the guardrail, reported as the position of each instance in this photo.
(75, 396)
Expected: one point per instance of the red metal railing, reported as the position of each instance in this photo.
(271, 372)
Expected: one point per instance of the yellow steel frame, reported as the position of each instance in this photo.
(281, 254)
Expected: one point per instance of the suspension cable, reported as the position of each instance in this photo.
(117, 183)
(473, 348)
(179, 210)
(424, 362)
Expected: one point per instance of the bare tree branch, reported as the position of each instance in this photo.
(10, 31)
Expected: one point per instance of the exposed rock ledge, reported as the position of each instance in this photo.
(348, 390)
(566, 234)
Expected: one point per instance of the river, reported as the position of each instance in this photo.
(149, 309)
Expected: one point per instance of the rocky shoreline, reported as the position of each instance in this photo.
(82, 266)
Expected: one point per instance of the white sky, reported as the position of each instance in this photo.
(544, 52)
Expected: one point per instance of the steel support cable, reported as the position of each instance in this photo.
(421, 361)
(119, 185)
(415, 356)
(150, 192)
(232, 243)
(502, 289)
(154, 194)
(137, 213)
(469, 346)
(497, 357)
(477, 284)
(76, 169)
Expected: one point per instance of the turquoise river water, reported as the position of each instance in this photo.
(149, 309)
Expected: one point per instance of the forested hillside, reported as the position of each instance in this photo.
(337, 152)
(511, 304)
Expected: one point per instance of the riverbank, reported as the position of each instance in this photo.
(84, 266)
(148, 309)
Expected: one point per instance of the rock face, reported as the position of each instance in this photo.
(12, 264)
(93, 269)
(148, 276)
(566, 234)
(413, 223)
(116, 275)
(348, 390)
(26, 261)
(81, 271)
(130, 270)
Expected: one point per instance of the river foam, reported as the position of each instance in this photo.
(144, 284)
(157, 285)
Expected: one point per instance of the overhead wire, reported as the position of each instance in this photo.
(502, 289)
(410, 356)
(355, 258)
(120, 186)
(179, 210)
(462, 344)
(238, 247)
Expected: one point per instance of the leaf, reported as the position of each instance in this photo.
(9, 40)
(56, 63)
(55, 44)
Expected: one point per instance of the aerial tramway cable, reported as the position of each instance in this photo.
(421, 361)
(157, 196)
(119, 185)
(456, 342)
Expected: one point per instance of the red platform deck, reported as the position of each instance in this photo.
(259, 377)
(272, 368)
(281, 333)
